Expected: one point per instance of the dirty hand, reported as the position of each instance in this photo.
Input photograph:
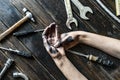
(69, 40)
(50, 37)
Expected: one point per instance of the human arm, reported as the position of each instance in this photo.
(106, 44)
(50, 37)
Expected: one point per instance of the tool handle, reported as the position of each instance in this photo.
(100, 60)
(105, 62)
(17, 34)
(12, 28)
(24, 54)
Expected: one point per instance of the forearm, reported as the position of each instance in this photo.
(106, 44)
(68, 69)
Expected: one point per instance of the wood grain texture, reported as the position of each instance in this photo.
(41, 66)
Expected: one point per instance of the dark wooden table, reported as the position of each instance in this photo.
(41, 66)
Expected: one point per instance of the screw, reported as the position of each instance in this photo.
(7, 65)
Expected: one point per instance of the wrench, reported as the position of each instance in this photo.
(82, 9)
(70, 18)
(7, 65)
(17, 74)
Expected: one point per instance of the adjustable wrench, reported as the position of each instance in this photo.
(82, 9)
(70, 18)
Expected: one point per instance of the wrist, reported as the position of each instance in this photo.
(61, 60)
(68, 69)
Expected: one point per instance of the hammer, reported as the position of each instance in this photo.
(16, 25)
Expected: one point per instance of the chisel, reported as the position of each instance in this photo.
(17, 34)
(97, 59)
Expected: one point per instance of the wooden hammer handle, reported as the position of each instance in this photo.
(12, 28)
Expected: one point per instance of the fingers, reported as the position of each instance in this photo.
(47, 31)
(46, 44)
(64, 41)
(53, 50)
(50, 35)
(56, 34)
(49, 48)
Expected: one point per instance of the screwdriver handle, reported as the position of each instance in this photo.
(92, 57)
(100, 60)
(105, 62)
(17, 34)
(25, 54)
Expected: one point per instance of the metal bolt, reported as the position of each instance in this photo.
(7, 65)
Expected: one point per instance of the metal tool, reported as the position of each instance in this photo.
(22, 53)
(7, 65)
(16, 25)
(108, 11)
(117, 3)
(17, 74)
(97, 59)
(27, 32)
(70, 18)
(82, 9)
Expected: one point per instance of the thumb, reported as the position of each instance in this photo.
(64, 41)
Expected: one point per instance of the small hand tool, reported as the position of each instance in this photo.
(17, 74)
(117, 3)
(16, 25)
(82, 9)
(7, 65)
(22, 53)
(17, 34)
(97, 59)
(70, 18)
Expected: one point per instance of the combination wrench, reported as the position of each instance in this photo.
(82, 9)
(70, 18)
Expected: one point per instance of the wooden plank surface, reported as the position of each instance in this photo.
(41, 66)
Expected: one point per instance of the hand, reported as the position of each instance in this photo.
(50, 37)
(69, 40)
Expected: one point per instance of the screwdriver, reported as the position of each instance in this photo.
(17, 34)
(21, 53)
(97, 59)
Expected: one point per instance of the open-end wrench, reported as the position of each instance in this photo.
(17, 74)
(82, 9)
(70, 18)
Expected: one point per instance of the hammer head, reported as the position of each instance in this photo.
(28, 14)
